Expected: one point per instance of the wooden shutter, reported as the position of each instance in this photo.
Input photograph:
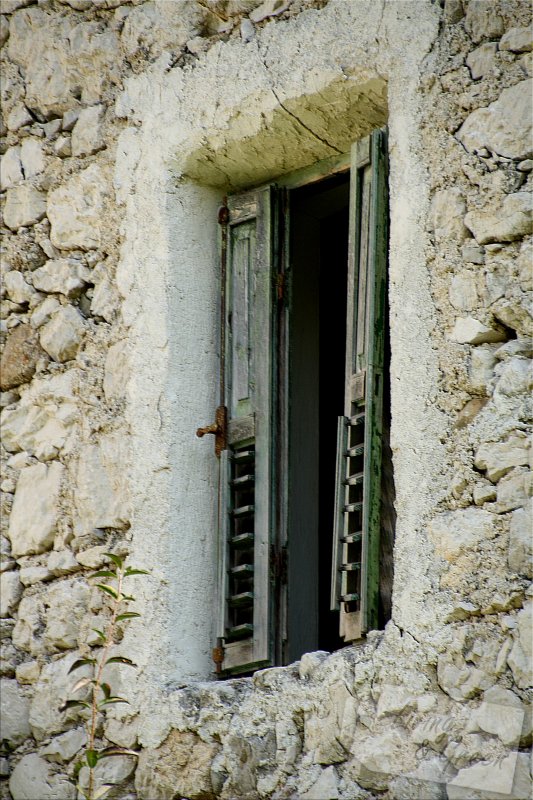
(245, 502)
(355, 563)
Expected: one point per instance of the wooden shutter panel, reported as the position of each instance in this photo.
(355, 563)
(245, 502)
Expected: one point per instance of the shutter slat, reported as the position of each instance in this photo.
(355, 579)
(242, 541)
(246, 483)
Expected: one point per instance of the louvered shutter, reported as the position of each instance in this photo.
(245, 502)
(355, 562)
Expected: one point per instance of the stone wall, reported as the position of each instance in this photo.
(437, 705)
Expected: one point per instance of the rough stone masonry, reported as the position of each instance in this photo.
(123, 124)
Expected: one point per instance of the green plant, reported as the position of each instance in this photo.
(100, 693)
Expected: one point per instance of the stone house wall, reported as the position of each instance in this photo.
(111, 173)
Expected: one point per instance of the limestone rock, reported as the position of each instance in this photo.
(100, 497)
(448, 211)
(520, 553)
(116, 372)
(10, 168)
(378, 758)
(514, 377)
(33, 777)
(105, 302)
(66, 276)
(468, 330)
(463, 292)
(18, 290)
(501, 713)
(10, 592)
(504, 127)
(62, 562)
(481, 60)
(467, 415)
(25, 205)
(41, 429)
(482, 21)
(15, 713)
(75, 211)
(457, 532)
(53, 689)
(28, 672)
(326, 787)
(43, 312)
(481, 370)
(521, 656)
(181, 765)
(93, 557)
(32, 157)
(61, 60)
(395, 700)
(63, 748)
(506, 779)
(110, 771)
(30, 575)
(473, 253)
(514, 489)
(517, 40)
(61, 337)
(67, 603)
(269, 8)
(505, 223)
(154, 27)
(515, 313)
(18, 117)
(33, 520)
(497, 458)
(435, 732)
(426, 782)
(87, 135)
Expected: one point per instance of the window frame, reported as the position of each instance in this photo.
(267, 649)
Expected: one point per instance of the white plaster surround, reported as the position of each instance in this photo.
(174, 162)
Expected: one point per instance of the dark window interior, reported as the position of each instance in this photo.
(317, 334)
(317, 348)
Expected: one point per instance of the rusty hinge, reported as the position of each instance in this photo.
(278, 564)
(219, 428)
(218, 656)
(223, 214)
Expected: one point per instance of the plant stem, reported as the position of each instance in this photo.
(109, 641)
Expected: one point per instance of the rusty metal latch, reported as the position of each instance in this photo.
(219, 428)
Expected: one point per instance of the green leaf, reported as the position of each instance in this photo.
(104, 573)
(101, 634)
(103, 790)
(106, 688)
(74, 704)
(120, 660)
(112, 700)
(128, 597)
(127, 615)
(91, 757)
(81, 662)
(108, 590)
(133, 571)
(115, 559)
(81, 684)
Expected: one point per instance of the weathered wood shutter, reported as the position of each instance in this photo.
(245, 503)
(355, 563)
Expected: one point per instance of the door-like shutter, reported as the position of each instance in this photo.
(245, 504)
(355, 563)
